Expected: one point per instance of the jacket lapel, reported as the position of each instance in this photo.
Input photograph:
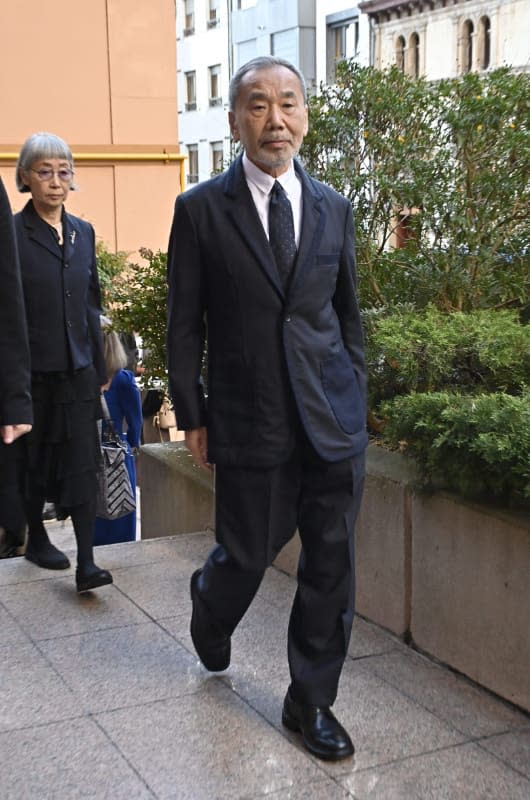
(313, 222)
(38, 230)
(70, 234)
(244, 216)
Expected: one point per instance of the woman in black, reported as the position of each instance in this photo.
(62, 298)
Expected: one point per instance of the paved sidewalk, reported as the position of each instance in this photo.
(102, 696)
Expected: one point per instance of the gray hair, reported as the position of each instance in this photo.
(38, 146)
(259, 63)
(113, 350)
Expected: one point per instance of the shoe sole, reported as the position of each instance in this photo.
(87, 586)
(292, 724)
(47, 564)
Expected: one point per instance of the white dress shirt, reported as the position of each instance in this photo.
(260, 184)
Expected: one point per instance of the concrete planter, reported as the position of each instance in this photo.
(450, 576)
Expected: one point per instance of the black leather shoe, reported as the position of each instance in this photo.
(46, 555)
(322, 733)
(90, 577)
(211, 643)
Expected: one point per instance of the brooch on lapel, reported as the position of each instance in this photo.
(72, 237)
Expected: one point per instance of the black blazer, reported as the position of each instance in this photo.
(61, 292)
(273, 359)
(15, 399)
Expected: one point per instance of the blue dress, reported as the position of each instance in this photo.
(125, 405)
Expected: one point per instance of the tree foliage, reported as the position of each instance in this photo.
(454, 155)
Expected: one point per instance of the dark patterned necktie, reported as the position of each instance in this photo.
(281, 231)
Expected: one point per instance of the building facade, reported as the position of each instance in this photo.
(446, 38)
(214, 38)
(102, 76)
(342, 32)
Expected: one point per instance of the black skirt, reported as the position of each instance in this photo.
(63, 451)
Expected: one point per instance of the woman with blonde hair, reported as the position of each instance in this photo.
(125, 407)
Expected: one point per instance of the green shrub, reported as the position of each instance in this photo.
(424, 351)
(138, 297)
(476, 445)
(110, 267)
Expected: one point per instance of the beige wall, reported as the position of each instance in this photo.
(101, 74)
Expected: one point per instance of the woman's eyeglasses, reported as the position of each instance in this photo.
(45, 174)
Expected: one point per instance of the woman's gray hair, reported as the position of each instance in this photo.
(39, 146)
(258, 63)
(113, 350)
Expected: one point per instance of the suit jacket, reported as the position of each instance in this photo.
(275, 359)
(61, 292)
(15, 399)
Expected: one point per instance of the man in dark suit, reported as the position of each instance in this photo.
(16, 413)
(268, 271)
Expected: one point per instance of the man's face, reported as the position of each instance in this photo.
(270, 118)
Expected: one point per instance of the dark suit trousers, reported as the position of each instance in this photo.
(257, 512)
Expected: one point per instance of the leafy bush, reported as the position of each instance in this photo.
(110, 267)
(476, 445)
(138, 298)
(424, 351)
(453, 156)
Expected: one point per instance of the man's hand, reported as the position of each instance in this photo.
(197, 443)
(11, 432)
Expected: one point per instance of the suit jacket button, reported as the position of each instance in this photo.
(66, 266)
(287, 319)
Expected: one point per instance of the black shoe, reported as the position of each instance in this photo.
(90, 577)
(211, 644)
(46, 555)
(322, 734)
(12, 543)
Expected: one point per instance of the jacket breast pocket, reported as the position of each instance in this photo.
(341, 388)
(327, 260)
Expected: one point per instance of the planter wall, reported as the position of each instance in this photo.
(452, 576)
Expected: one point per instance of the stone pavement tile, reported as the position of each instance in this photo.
(383, 724)
(259, 647)
(512, 748)
(320, 790)
(10, 630)
(66, 761)
(278, 589)
(108, 669)
(451, 697)
(46, 609)
(182, 553)
(18, 570)
(31, 691)
(159, 588)
(456, 773)
(368, 639)
(207, 745)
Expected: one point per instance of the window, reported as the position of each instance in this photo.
(285, 45)
(217, 157)
(214, 77)
(414, 55)
(213, 14)
(242, 4)
(400, 53)
(245, 51)
(484, 42)
(466, 47)
(342, 40)
(189, 17)
(191, 97)
(193, 163)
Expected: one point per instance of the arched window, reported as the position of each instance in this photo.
(484, 42)
(466, 47)
(400, 53)
(414, 55)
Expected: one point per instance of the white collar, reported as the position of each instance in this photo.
(263, 181)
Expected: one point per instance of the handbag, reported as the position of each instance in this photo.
(115, 497)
